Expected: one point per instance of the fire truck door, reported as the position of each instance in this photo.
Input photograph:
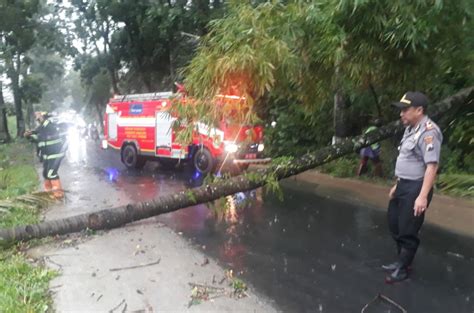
(163, 130)
(112, 126)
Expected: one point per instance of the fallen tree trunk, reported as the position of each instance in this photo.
(116, 217)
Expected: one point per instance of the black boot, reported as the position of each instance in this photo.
(398, 275)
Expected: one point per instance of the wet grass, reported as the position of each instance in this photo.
(23, 285)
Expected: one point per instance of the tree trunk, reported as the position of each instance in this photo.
(376, 100)
(111, 218)
(29, 115)
(113, 79)
(341, 127)
(340, 109)
(4, 134)
(13, 71)
(110, 64)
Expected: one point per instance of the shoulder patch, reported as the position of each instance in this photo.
(429, 125)
(428, 139)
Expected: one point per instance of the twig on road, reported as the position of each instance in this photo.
(118, 306)
(56, 286)
(48, 259)
(386, 299)
(205, 286)
(60, 254)
(133, 267)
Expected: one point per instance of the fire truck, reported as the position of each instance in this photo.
(140, 126)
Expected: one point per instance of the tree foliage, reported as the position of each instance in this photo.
(301, 52)
(27, 25)
(139, 44)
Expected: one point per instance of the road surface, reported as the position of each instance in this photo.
(315, 251)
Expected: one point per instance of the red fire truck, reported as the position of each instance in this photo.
(140, 127)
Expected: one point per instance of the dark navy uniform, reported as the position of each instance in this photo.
(51, 144)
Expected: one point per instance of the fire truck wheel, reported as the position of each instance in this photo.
(203, 161)
(131, 159)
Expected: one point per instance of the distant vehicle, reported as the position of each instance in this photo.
(140, 126)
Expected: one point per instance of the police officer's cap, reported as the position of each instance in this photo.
(412, 99)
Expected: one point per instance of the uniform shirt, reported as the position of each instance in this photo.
(420, 145)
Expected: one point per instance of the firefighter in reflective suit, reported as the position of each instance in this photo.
(51, 143)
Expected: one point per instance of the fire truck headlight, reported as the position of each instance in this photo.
(261, 147)
(104, 144)
(231, 147)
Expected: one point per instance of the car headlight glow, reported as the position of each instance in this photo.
(261, 147)
(231, 147)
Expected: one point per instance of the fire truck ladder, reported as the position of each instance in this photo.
(143, 96)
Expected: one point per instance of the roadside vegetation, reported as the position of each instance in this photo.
(320, 71)
(456, 166)
(23, 285)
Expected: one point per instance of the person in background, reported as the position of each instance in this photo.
(372, 152)
(51, 144)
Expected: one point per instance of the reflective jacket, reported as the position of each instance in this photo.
(50, 139)
(376, 145)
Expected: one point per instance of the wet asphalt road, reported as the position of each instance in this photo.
(309, 252)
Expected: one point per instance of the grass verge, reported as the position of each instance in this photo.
(23, 286)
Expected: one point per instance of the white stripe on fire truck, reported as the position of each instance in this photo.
(136, 121)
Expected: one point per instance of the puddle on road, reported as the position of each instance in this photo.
(309, 250)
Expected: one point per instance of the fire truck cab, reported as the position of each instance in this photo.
(140, 127)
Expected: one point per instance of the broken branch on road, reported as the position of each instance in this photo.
(135, 266)
(385, 299)
(118, 306)
(117, 217)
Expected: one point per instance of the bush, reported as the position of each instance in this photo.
(342, 167)
(457, 184)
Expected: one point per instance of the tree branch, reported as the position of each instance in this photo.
(116, 217)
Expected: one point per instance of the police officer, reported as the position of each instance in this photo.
(51, 143)
(416, 168)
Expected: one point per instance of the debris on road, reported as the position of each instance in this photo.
(384, 299)
(454, 254)
(204, 292)
(118, 306)
(135, 266)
